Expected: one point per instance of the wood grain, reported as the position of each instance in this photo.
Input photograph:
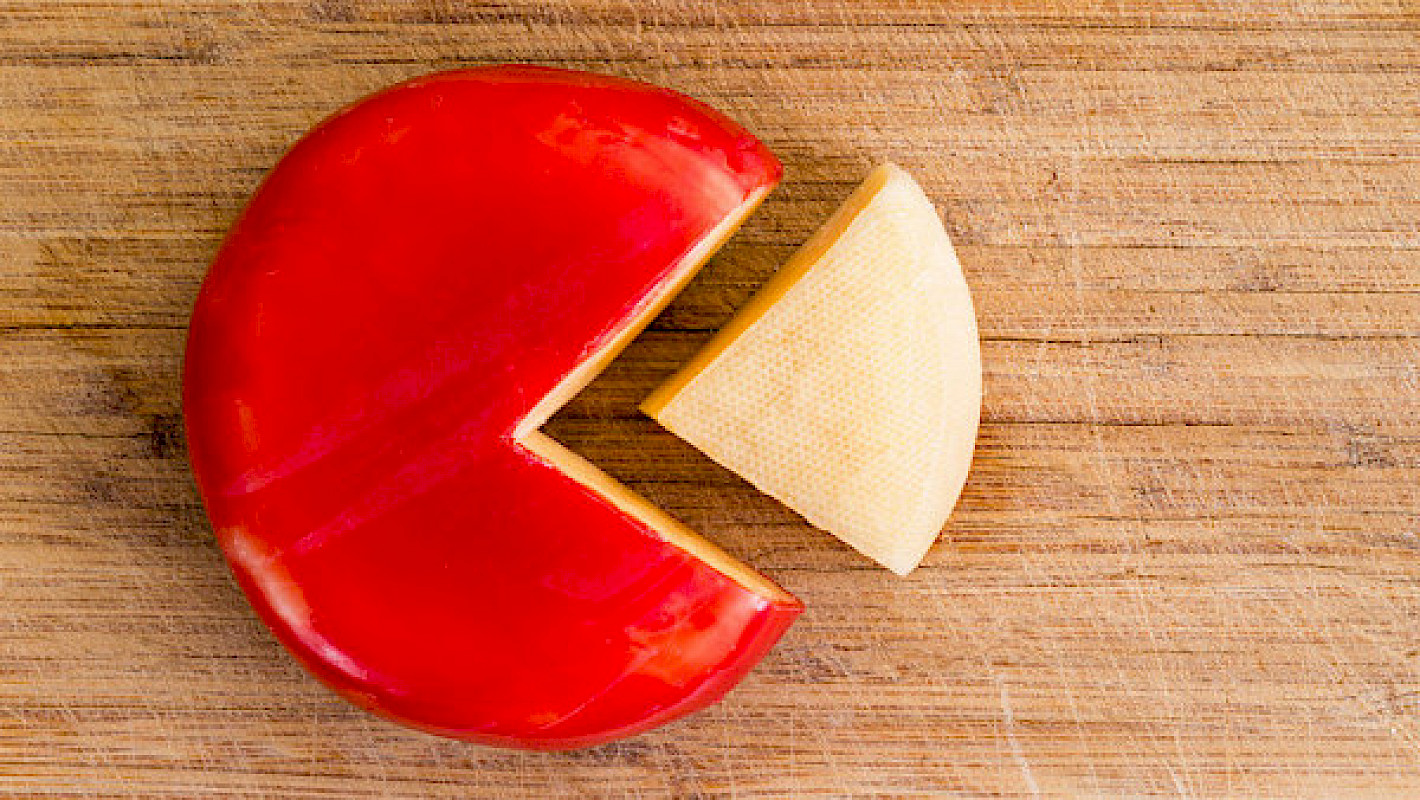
(1185, 564)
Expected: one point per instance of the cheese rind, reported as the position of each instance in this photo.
(849, 388)
(417, 285)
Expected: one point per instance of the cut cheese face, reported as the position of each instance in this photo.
(849, 388)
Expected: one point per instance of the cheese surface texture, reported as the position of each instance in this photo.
(849, 388)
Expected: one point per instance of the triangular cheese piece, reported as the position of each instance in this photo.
(849, 388)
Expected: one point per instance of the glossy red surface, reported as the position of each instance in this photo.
(412, 278)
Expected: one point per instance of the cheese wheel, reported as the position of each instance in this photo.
(418, 285)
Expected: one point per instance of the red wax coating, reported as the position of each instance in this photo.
(417, 273)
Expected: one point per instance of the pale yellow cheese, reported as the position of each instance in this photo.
(849, 388)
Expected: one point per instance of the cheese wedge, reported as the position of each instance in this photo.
(849, 388)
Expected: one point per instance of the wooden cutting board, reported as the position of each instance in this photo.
(1188, 559)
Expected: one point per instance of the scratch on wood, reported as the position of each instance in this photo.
(1008, 721)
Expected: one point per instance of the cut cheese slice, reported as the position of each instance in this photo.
(849, 388)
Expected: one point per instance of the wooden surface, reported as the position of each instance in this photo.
(1186, 561)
